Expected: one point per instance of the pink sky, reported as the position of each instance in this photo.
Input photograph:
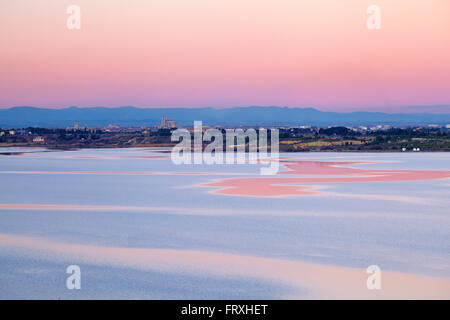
(226, 53)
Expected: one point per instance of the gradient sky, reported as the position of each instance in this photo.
(226, 53)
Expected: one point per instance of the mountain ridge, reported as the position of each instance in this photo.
(29, 116)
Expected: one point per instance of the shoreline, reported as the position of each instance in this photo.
(75, 148)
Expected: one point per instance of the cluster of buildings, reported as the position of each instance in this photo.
(171, 124)
(167, 124)
(77, 127)
(20, 132)
(10, 132)
(379, 127)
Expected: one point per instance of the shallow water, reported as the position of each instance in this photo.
(132, 198)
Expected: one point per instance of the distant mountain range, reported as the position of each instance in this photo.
(241, 116)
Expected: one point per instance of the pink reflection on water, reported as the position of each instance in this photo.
(320, 281)
(284, 186)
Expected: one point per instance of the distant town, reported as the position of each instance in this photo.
(292, 138)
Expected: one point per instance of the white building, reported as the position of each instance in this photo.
(38, 139)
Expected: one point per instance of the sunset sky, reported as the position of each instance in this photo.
(226, 53)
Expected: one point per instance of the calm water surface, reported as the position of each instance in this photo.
(132, 198)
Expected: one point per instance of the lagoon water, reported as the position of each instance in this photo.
(141, 227)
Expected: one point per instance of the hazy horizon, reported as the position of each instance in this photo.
(437, 109)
